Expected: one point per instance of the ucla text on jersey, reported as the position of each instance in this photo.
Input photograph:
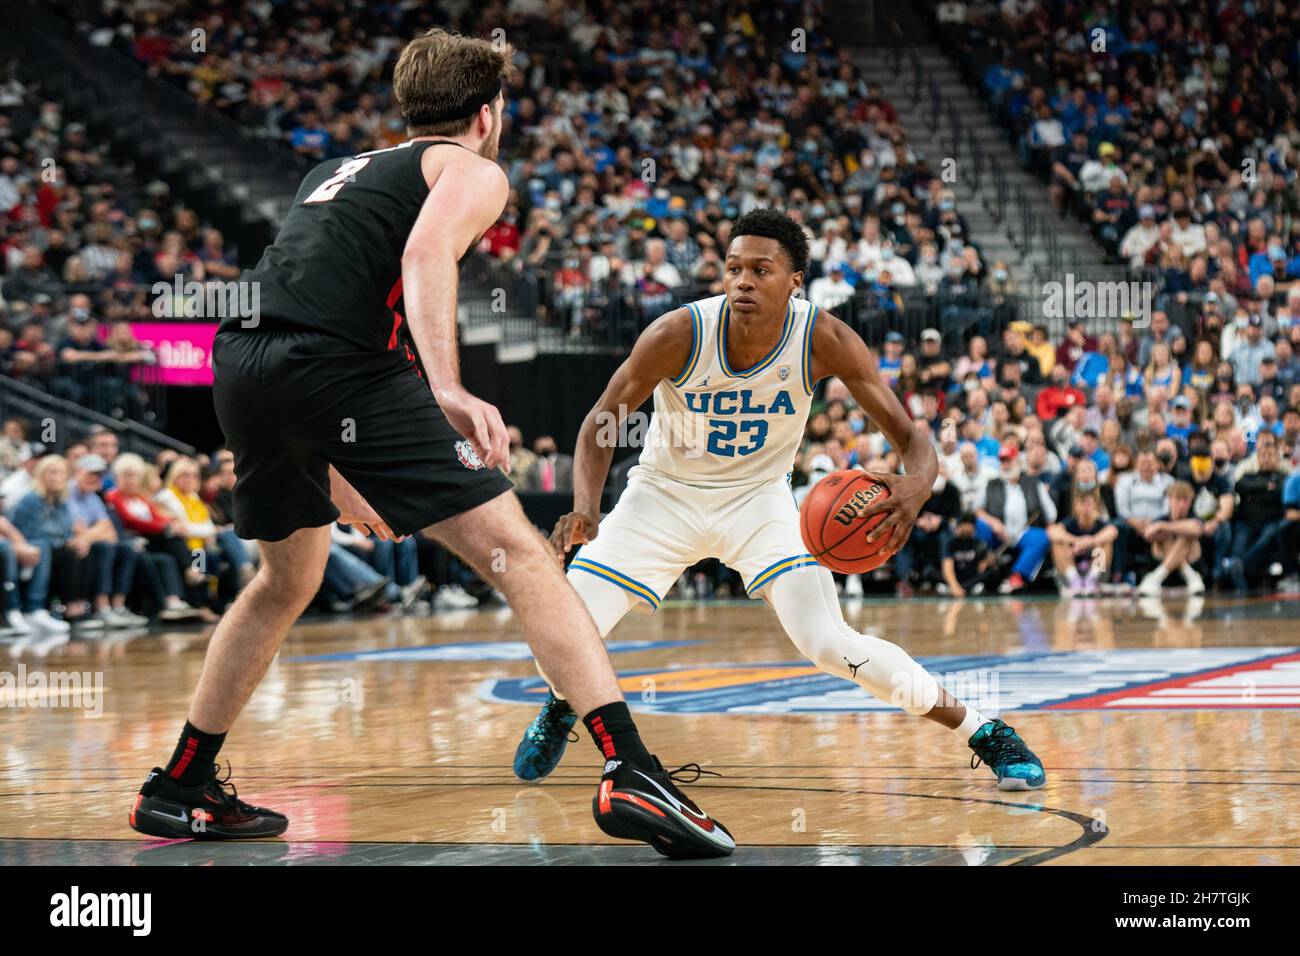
(714, 425)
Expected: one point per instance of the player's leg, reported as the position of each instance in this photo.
(637, 799)
(642, 548)
(545, 739)
(809, 611)
(184, 799)
(281, 498)
(775, 566)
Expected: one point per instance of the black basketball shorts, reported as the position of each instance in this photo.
(291, 405)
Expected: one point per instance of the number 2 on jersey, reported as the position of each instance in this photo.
(724, 433)
(330, 188)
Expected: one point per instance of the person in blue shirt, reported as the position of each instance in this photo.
(45, 520)
(1091, 369)
(891, 358)
(1180, 424)
(114, 560)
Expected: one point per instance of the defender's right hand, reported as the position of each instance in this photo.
(479, 422)
(573, 528)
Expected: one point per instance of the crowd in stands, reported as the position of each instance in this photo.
(95, 539)
(1109, 462)
(82, 241)
(1169, 128)
(635, 134)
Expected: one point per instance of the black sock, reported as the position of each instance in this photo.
(615, 734)
(195, 756)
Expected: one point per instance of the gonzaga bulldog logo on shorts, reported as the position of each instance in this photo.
(468, 456)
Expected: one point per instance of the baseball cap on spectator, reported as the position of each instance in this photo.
(1212, 297)
(1181, 402)
(931, 335)
(894, 337)
(1076, 451)
(1008, 453)
(1106, 149)
(92, 462)
(822, 463)
(1147, 212)
(1255, 319)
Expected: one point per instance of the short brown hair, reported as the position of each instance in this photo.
(1182, 490)
(438, 73)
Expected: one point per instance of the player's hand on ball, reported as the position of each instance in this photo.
(907, 495)
(573, 528)
(478, 421)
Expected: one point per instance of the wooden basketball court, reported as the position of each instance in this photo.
(1165, 729)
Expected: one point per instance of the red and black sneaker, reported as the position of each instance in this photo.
(207, 811)
(633, 804)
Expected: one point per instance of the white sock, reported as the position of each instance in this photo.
(972, 722)
(1159, 574)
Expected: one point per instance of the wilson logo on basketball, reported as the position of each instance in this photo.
(856, 506)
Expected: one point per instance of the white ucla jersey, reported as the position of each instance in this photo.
(715, 426)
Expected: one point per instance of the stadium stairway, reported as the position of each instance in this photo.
(238, 183)
(54, 422)
(1009, 212)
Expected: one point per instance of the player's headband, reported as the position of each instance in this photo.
(468, 106)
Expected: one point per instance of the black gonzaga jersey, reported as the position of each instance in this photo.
(335, 267)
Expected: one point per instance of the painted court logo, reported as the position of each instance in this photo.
(1246, 678)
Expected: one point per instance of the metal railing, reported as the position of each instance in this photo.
(1028, 229)
(71, 421)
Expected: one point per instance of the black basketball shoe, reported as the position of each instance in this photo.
(633, 804)
(208, 811)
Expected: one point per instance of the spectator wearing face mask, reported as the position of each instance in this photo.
(1207, 472)
(551, 471)
(968, 564)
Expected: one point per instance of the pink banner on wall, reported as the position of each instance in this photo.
(184, 350)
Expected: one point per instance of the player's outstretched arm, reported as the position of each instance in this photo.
(659, 353)
(839, 351)
(466, 198)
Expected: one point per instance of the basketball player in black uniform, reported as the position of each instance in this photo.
(342, 401)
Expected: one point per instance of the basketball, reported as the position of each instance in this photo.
(832, 523)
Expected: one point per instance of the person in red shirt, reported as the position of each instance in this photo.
(503, 234)
(1076, 343)
(1058, 396)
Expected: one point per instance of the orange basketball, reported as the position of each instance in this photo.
(834, 531)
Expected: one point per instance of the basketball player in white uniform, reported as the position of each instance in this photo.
(733, 379)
